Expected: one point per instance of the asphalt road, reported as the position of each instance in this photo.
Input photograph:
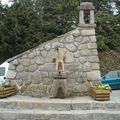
(115, 94)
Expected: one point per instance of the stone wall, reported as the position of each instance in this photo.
(33, 70)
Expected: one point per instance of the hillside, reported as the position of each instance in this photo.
(109, 61)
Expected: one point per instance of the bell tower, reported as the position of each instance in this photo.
(86, 15)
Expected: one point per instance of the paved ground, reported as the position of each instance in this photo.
(115, 95)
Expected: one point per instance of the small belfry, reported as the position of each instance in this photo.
(86, 15)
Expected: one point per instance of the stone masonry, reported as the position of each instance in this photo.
(33, 70)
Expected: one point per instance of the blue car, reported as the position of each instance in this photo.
(112, 78)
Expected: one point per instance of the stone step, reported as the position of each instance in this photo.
(68, 104)
(10, 114)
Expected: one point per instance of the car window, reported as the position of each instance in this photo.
(112, 74)
(2, 71)
(118, 74)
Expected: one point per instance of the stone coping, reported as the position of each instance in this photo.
(115, 98)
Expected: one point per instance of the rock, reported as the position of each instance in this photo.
(50, 73)
(76, 89)
(71, 80)
(93, 75)
(76, 54)
(83, 46)
(50, 67)
(76, 43)
(44, 74)
(48, 46)
(73, 75)
(43, 89)
(85, 40)
(87, 67)
(32, 61)
(71, 47)
(15, 62)
(27, 93)
(72, 67)
(55, 44)
(69, 39)
(35, 77)
(39, 60)
(26, 69)
(20, 68)
(41, 47)
(23, 89)
(19, 82)
(32, 54)
(44, 53)
(93, 59)
(50, 56)
(11, 74)
(49, 90)
(76, 33)
(25, 61)
(24, 56)
(37, 51)
(95, 66)
(33, 67)
(36, 80)
(62, 45)
(85, 52)
(28, 82)
(32, 87)
(78, 39)
(42, 68)
(93, 39)
(11, 66)
(69, 57)
(84, 87)
(82, 60)
(81, 77)
(47, 81)
(94, 52)
(88, 32)
(23, 75)
(80, 47)
(92, 46)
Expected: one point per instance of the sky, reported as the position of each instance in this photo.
(5, 2)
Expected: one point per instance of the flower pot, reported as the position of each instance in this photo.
(7, 91)
(100, 95)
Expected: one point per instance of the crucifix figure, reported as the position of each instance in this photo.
(59, 83)
(59, 59)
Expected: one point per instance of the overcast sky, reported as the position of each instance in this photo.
(5, 2)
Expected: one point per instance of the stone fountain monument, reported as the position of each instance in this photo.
(59, 80)
(65, 66)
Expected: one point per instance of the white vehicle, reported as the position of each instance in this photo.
(3, 72)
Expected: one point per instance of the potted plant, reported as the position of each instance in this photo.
(100, 91)
(7, 90)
